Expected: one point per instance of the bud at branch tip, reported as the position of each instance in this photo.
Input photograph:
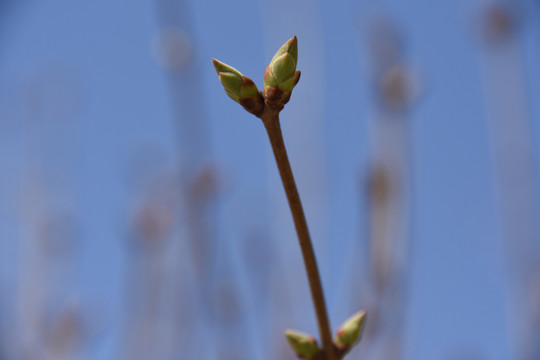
(281, 76)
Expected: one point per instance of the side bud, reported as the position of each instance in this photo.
(240, 88)
(305, 346)
(351, 331)
(281, 76)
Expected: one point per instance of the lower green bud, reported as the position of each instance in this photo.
(305, 346)
(351, 331)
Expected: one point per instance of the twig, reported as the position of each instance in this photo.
(270, 118)
(280, 78)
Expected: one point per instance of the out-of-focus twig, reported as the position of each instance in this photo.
(48, 323)
(388, 194)
(197, 184)
(513, 149)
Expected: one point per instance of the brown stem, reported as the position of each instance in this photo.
(270, 119)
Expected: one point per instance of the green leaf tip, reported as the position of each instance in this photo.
(281, 76)
(240, 88)
(224, 68)
(283, 67)
(351, 330)
(291, 47)
(305, 346)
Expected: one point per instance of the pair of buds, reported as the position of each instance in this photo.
(280, 78)
(305, 346)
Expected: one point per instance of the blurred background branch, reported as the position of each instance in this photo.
(506, 96)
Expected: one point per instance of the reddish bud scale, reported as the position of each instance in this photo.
(247, 81)
(256, 107)
(275, 98)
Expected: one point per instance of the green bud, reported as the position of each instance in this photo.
(291, 82)
(291, 47)
(281, 76)
(224, 68)
(283, 68)
(351, 330)
(305, 346)
(240, 88)
(232, 84)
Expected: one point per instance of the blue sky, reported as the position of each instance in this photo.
(83, 98)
